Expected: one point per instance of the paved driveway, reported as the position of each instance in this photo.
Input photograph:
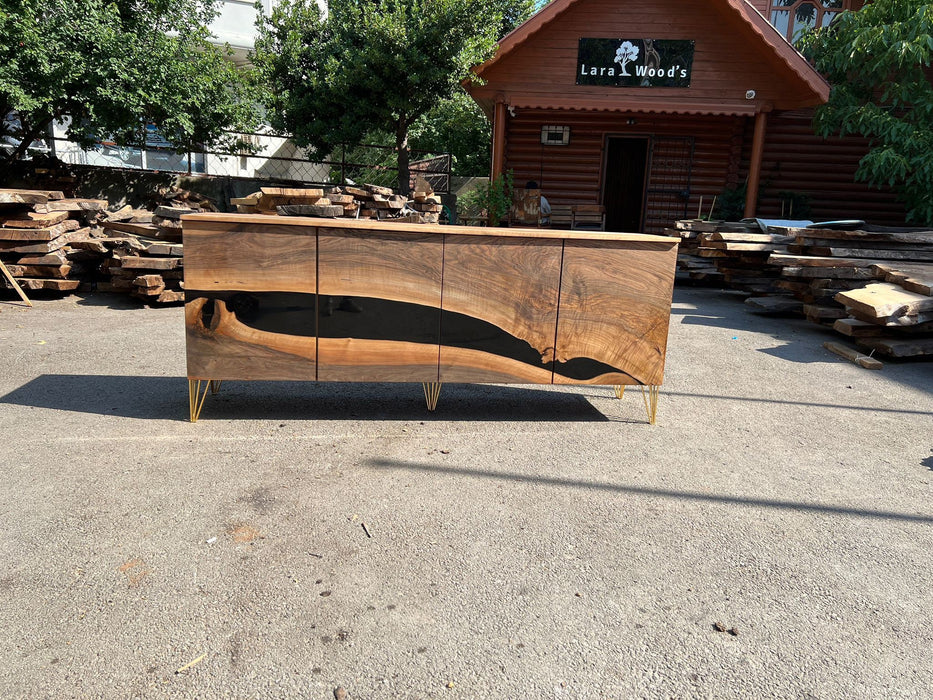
(772, 536)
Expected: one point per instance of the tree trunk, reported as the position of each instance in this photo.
(28, 136)
(401, 148)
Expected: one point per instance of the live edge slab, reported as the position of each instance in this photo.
(294, 298)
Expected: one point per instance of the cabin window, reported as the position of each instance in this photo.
(793, 17)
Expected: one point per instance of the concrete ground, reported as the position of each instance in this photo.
(770, 537)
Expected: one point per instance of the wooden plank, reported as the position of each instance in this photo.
(293, 192)
(78, 205)
(138, 262)
(614, 313)
(883, 299)
(59, 271)
(815, 261)
(165, 249)
(56, 243)
(169, 296)
(57, 257)
(325, 211)
(54, 285)
(850, 273)
(745, 247)
(912, 347)
(173, 213)
(129, 227)
(149, 281)
(875, 253)
(750, 237)
(21, 196)
(903, 236)
(38, 234)
(500, 309)
(33, 219)
(917, 277)
(852, 355)
(250, 200)
(855, 328)
(817, 313)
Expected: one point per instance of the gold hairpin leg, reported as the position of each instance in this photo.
(215, 385)
(651, 402)
(432, 392)
(620, 390)
(196, 397)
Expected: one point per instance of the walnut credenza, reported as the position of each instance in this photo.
(292, 298)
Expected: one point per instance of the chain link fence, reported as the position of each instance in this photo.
(272, 158)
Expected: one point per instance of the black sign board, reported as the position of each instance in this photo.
(635, 62)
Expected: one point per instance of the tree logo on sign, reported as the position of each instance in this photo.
(626, 53)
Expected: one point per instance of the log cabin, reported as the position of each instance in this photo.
(651, 108)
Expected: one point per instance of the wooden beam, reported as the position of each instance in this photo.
(14, 284)
(754, 167)
(498, 140)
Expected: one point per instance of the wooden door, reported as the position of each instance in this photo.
(624, 174)
(379, 305)
(500, 309)
(250, 301)
(615, 304)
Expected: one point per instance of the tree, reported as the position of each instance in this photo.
(456, 125)
(371, 65)
(875, 60)
(114, 66)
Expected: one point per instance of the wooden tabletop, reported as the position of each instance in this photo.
(281, 222)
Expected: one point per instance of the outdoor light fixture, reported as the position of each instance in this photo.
(749, 94)
(555, 135)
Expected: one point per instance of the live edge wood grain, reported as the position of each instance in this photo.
(367, 301)
(361, 336)
(221, 347)
(615, 309)
(230, 255)
(512, 286)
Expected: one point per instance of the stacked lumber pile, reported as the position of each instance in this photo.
(151, 271)
(822, 262)
(51, 243)
(37, 228)
(365, 202)
(737, 252)
(892, 318)
(689, 261)
(174, 204)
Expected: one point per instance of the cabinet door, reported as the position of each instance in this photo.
(250, 301)
(615, 307)
(500, 309)
(379, 305)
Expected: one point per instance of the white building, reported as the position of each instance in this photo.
(235, 26)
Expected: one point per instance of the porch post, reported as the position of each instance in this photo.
(498, 140)
(754, 167)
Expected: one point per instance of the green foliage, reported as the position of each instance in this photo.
(490, 199)
(795, 205)
(370, 66)
(730, 204)
(875, 60)
(457, 126)
(113, 66)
